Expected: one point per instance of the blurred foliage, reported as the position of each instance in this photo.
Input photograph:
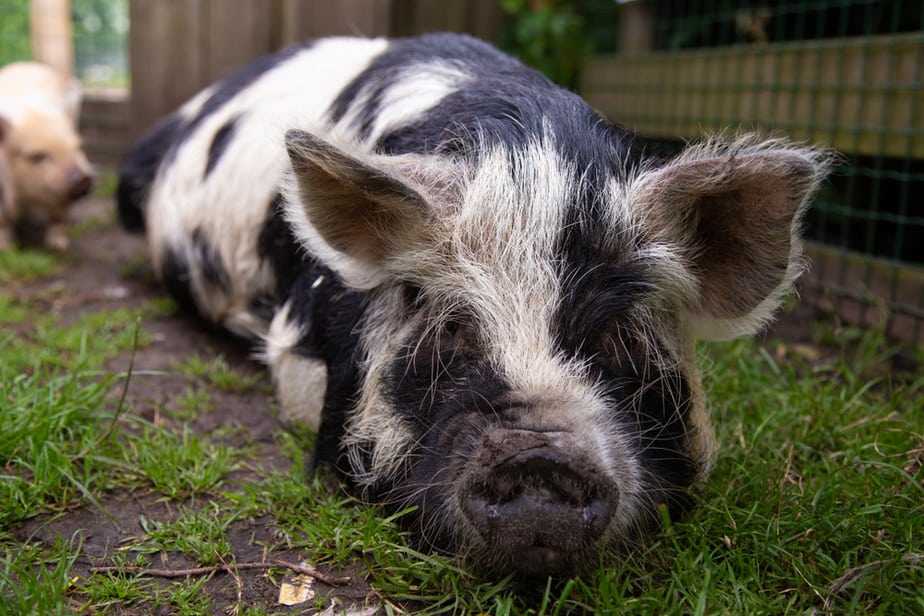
(100, 38)
(14, 31)
(555, 36)
(101, 42)
(547, 35)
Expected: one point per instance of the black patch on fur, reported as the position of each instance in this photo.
(330, 316)
(277, 245)
(178, 280)
(501, 103)
(263, 308)
(594, 323)
(139, 168)
(209, 262)
(177, 270)
(219, 144)
(441, 389)
(159, 146)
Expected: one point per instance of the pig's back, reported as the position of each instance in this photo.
(203, 182)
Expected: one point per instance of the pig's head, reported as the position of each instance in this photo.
(529, 380)
(47, 165)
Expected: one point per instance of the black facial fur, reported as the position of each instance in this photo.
(595, 323)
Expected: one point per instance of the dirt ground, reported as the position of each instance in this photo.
(105, 269)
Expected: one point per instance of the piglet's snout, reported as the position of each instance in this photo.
(79, 184)
(536, 495)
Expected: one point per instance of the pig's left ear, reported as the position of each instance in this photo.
(733, 212)
(365, 207)
(73, 96)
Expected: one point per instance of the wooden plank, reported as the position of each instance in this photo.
(306, 19)
(50, 25)
(166, 46)
(481, 18)
(105, 127)
(636, 27)
(861, 95)
(865, 291)
(237, 31)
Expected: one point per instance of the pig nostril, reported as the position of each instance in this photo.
(537, 495)
(80, 186)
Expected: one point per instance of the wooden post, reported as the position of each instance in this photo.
(52, 43)
(635, 27)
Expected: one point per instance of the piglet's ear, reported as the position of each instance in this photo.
(73, 97)
(356, 202)
(733, 211)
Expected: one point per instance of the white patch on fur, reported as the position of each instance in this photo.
(249, 172)
(412, 93)
(301, 382)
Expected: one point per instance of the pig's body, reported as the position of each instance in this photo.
(44, 168)
(476, 289)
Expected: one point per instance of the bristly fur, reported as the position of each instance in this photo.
(443, 252)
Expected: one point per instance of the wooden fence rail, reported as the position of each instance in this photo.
(861, 96)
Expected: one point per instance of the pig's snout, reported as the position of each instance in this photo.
(79, 184)
(536, 497)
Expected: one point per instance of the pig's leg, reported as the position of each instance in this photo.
(56, 237)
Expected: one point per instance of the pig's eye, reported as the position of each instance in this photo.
(37, 158)
(413, 297)
(456, 334)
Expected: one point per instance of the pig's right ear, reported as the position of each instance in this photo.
(731, 211)
(362, 206)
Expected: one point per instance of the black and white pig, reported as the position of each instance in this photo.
(482, 294)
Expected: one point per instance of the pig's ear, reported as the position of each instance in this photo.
(733, 211)
(73, 96)
(360, 205)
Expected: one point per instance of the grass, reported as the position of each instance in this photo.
(815, 505)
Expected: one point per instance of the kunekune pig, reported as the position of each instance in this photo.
(482, 294)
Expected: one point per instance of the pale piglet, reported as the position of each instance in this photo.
(43, 168)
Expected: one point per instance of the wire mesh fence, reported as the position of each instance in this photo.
(844, 73)
(100, 31)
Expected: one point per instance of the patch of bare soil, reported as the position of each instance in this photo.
(106, 269)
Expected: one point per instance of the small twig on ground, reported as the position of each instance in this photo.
(851, 576)
(302, 568)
